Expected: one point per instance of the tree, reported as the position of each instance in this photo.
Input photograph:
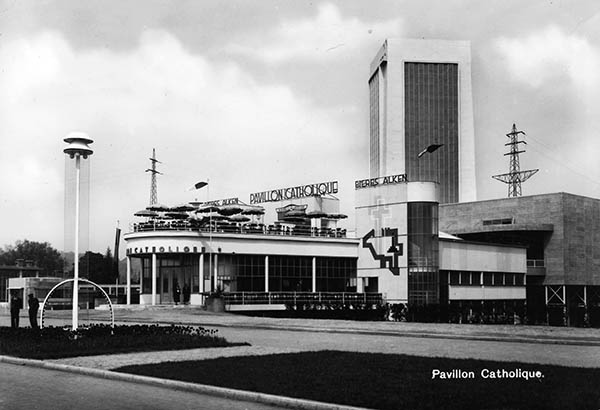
(42, 254)
(97, 267)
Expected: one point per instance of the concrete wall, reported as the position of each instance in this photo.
(572, 251)
(486, 292)
(581, 240)
(385, 206)
(142, 243)
(465, 256)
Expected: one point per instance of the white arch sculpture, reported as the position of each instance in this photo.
(112, 313)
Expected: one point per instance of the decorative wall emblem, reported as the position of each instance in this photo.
(390, 258)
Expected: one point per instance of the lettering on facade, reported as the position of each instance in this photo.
(387, 180)
(162, 249)
(221, 202)
(302, 191)
(389, 259)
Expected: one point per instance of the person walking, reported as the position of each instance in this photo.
(15, 309)
(34, 305)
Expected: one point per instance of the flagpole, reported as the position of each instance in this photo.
(210, 273)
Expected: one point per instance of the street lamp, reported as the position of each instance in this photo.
(430, 149)
(77, 148)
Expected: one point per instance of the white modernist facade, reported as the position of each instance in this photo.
(420, 94)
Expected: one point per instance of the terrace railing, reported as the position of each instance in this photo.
(298, 298)
(253, 229)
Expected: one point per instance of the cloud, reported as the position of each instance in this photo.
(550, 55)
(206, 119)
(561, 74)
(323, 37)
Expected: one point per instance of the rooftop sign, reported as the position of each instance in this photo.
(302, 191)
(221, 202)
(389, 180)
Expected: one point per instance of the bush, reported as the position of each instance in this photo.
(56, 342)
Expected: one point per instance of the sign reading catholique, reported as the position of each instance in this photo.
(302, 191)
(371, 182)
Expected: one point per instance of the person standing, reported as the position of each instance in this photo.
(15, 309)
(176, 293)
(34, 305)
(186, 294)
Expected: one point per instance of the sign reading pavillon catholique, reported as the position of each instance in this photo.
(302, 191)
(388, 180)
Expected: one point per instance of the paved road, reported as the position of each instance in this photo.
(395, 338)
(26, 387)
(566, 355)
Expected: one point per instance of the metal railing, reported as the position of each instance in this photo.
(255, 229)
(536, 263)
(295, 298)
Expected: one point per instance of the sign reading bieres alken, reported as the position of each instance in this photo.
(302, 191)
(392, 179)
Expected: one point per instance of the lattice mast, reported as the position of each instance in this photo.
(515, 176)
(153, 172)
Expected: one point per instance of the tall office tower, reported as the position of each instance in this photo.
(420, 94)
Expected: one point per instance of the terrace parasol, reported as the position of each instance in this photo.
(316, 214)
(207, 208)
(146, 213)
(252, 210)
(239, 218)
(183, 208)
(158, 207)
(337, 216)
(229, 210)
(176, 215)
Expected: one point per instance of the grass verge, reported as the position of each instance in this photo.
(56, 343)
(384, 381)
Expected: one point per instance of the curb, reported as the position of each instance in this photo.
(482, 338)
(242, 395)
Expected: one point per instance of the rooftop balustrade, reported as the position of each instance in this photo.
(252, 229)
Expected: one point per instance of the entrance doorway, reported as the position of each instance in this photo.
(175, 285)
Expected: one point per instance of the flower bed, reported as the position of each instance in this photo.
(56, 342)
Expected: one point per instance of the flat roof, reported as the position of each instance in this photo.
(533, 227)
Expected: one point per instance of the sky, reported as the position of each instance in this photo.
(257, 95)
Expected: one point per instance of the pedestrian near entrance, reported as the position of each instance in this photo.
(15, 309)
(186, 294)
(176, 294)
(34, 305)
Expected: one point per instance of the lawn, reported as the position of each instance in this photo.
(56, 343)
(385, 381)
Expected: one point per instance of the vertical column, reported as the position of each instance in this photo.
(546, 304)
(314, 274)
(586, 314)
(215, 267)
(564, 300)
(266, 273)
(143, 263)
(129, 280)
(201, 274)
(153, 279)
